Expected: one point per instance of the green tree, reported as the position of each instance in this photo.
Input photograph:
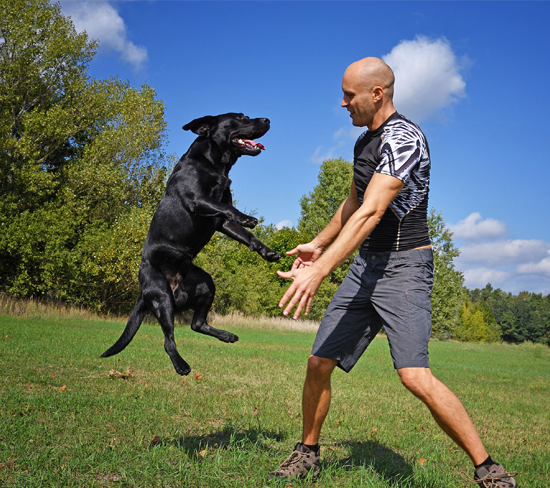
(448, 290)
(509, 328)
(476, 323)
(81, 165)
(522, 317)
(319, 206)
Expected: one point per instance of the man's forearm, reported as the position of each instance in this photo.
(327, 236)
(356, 230)
(381, 191)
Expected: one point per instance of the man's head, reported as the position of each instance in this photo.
(368, 92)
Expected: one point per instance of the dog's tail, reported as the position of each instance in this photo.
(132, 326)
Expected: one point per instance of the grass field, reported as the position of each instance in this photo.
(66, 421)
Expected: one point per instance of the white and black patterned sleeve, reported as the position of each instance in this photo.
(401, 150)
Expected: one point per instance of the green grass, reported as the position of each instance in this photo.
(243, 416)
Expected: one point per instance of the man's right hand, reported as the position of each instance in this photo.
(307, 255)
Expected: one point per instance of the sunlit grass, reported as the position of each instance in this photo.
(241, 415)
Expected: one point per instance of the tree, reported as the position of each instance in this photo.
(448, 290)
(319, 206)
(476, 323)
(522, 317)
(81, 164)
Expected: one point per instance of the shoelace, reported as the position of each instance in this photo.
(293, 459)
(490, 478)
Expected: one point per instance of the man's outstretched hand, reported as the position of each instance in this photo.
(306, 279)
(307, 255)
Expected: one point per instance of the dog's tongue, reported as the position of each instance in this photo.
(254, 144)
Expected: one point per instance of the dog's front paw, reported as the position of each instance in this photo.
(272, 256)
(248, 221)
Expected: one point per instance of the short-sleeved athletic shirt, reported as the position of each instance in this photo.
(397, 148)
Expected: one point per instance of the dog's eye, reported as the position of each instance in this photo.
(240, 117)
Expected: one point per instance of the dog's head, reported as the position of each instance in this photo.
(232, 131)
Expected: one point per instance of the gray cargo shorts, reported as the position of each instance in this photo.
(390, 290)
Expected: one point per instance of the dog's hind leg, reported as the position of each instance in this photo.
(132, 326)
(200, 289)
(160, 301)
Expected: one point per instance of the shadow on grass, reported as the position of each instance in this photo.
(371, 455)
(227, 437)
(390, 465)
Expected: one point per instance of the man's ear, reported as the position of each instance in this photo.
(377, 93)
(200, 126)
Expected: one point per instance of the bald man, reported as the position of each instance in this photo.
(390, 282)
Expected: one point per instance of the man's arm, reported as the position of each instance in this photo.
(381, 190)
(310, 252)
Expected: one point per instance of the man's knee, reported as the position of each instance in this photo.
(320, 368)
(419, 381)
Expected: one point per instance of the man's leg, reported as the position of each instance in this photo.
(452, 417)
(305, 457)
(446, 409)
(316, 397)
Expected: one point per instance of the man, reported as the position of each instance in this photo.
(389, 284)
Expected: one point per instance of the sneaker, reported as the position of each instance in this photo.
(494, 476)
(298, 464)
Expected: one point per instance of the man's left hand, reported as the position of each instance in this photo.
(302, 290)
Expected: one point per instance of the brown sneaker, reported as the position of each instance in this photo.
(494, 476)
(298, 464)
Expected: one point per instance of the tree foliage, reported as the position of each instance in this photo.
(246, 283)
(476, 323)
(81, 166)
(320, 205)
(448, 293)
(522, 317)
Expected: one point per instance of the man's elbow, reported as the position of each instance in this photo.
(373, 215)
(377, 217)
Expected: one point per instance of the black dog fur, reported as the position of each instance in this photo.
(196, 203)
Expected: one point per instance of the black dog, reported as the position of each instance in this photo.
(196, 203)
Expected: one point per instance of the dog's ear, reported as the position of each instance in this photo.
(200, 126)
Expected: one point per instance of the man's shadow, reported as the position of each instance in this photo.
(390, 465)
(227, 437)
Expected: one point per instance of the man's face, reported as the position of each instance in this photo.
(358, 99)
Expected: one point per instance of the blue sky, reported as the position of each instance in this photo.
(473, 75)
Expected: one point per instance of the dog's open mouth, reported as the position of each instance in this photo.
(248, 144)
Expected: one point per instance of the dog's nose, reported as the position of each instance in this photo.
(265, 121)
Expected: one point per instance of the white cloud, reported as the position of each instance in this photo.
(101, 21)
(427, 76)
(499, 253)
(513, 265)
(427, 79)
(540, 268)
(475, 229)
(321, 155)
(284, 223)
(344, 139)
(479, 277)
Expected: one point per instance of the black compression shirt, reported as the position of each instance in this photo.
(397, 148)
